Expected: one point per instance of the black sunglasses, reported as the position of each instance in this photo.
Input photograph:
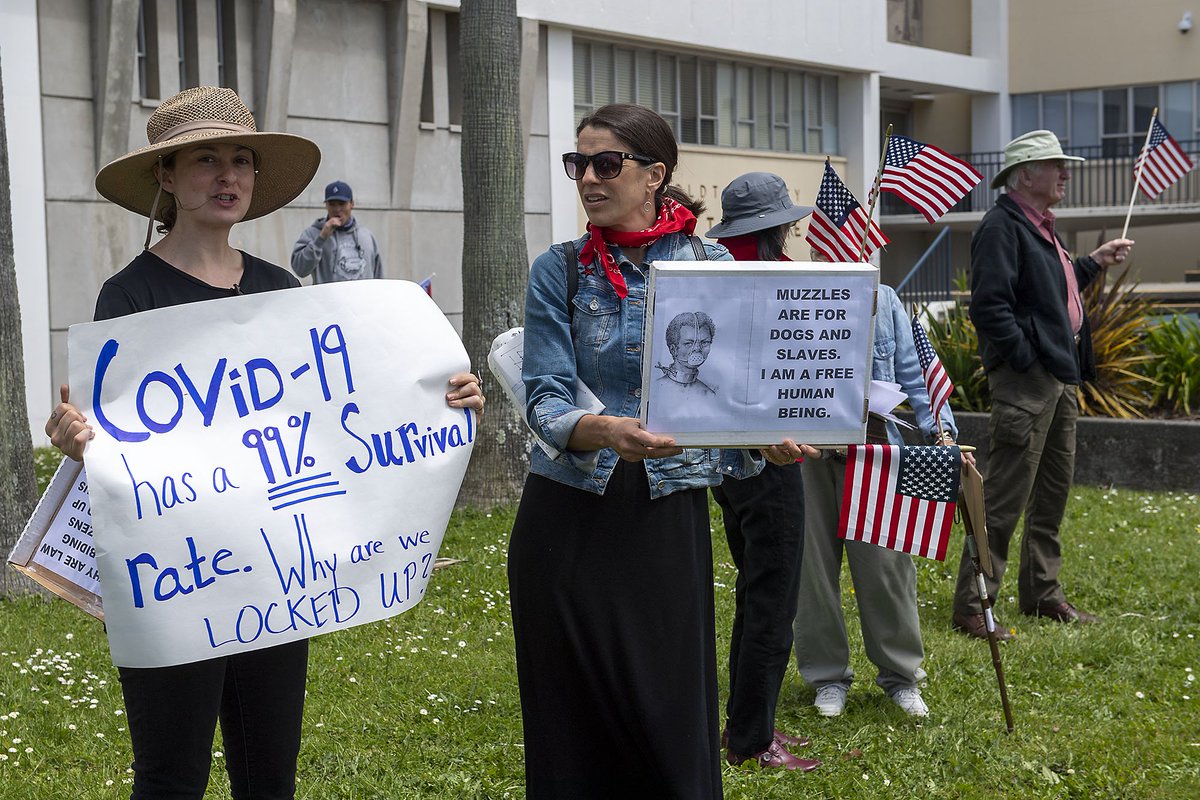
(607, 163)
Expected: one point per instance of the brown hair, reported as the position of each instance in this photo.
(648, 134)
(771, 241)
(169, 212)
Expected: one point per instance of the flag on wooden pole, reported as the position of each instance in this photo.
(902, 498)
(936, 380)
(1162, 161)
(839, 223)
(926, 177)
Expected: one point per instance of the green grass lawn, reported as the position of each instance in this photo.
(425, 705)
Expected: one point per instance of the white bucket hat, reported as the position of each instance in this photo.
(1032, 146)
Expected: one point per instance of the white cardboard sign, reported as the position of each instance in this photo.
(268, 467)
(762, 351)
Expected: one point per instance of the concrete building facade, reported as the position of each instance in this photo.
(776, 85)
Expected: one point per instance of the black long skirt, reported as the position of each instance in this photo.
(612, 604)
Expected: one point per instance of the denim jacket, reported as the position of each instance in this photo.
(895, 360)
(602, 345)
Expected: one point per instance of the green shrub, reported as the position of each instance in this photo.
(1122, 388)
(1174, 366)
(1118, 320)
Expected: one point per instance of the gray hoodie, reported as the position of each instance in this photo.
(351, 253)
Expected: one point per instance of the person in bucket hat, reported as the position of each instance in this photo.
(1027, 148)
(885, 581)
(764, 520)
(1036, 347)
(206, 168)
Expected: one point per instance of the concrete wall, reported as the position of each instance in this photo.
(1092, 43)
(27, 192)
(1133, 454)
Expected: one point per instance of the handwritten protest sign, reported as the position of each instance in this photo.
(268, 467)
(754, 352)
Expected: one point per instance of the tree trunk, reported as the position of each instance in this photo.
(18, 486)
(495, 260)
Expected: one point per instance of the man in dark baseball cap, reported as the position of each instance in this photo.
(335, 247)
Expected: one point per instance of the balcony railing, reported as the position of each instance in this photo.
(1104, 180)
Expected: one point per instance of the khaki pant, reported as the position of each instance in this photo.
(885, 590)
(1031, 462)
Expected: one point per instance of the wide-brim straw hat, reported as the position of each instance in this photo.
(285, 162)
(1032, 146)
(756, 201)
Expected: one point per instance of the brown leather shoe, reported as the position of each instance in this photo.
(975, 626)
(787, 740)
(1061, 612)
(776, 756)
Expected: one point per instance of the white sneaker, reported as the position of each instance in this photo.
(831, 699)
(910, 700)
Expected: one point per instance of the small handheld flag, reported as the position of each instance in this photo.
(901, 498)
(936, 380)
(839, 222)
(927, 178)
(1162, 161)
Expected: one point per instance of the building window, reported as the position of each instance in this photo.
(442, 71)
(709, 101)
(904, 21)
(227, 65)
(1113, 120)
(189, 48)
(147, 50)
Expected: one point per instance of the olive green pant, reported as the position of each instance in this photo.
(1030, 464)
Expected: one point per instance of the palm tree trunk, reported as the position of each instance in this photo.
(495, 258)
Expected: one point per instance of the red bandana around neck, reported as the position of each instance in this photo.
(672, 218)
(745, 248)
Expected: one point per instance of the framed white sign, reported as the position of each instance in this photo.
(267, 467)
(749, 353)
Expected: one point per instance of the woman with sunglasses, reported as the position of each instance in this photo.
(610, 562)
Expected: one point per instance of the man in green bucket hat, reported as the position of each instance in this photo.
(1036, 347)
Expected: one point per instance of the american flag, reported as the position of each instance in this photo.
(902, 498)
(927, 178)
(1162, 161)
(838, 223)
(427, 285)
(936, 380)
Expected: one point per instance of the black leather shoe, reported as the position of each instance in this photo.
(975, 626)
(1061, 612)
(776, 756)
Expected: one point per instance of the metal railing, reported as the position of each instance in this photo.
(932, 278)
(1104, 180)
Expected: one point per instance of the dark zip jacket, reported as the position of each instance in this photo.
(1019, 298)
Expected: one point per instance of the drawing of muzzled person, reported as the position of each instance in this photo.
(689, 339)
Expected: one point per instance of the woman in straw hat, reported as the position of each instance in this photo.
(206, 168)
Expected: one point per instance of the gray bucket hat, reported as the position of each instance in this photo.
(1032, 146)
(755, 201)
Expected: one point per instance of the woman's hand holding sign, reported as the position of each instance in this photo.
(788, 452)
(68, 428)
(466, 392)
